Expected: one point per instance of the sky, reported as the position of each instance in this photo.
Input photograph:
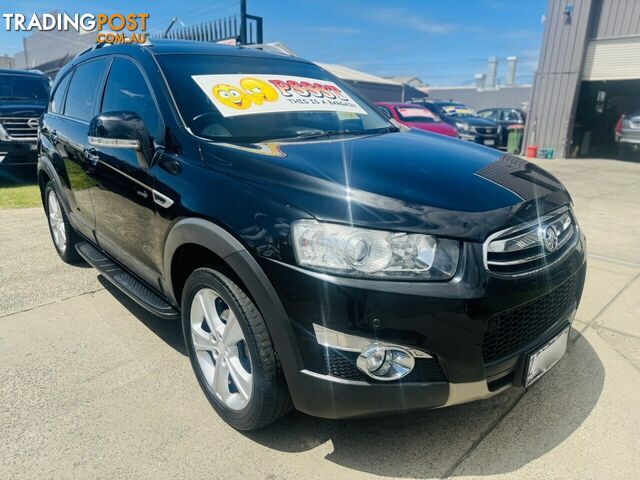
(444, 42)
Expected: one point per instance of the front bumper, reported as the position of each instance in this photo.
(450, 321)
(488, 140)
(18, 153)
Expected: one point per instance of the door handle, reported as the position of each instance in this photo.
(91, 154)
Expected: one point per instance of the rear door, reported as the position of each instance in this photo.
(123, 196)
(68, 129)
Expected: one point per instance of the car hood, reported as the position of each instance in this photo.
(409, 181)
(442, 128)
(474, 121)
(21, 109)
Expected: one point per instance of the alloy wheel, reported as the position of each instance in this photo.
(221, 349)
(56, 221)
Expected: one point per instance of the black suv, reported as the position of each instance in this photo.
(23, 99)
(470, 126)
(318, 256)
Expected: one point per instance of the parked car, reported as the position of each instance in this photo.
(416, 116)
(507, 118)
(470, 126)
(627, 135)
(316, 255)
(23, 99)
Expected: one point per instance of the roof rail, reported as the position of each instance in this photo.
(273, 47)
(146, 43)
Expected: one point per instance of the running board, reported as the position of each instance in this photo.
(127, 283)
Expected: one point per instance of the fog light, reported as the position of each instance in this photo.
(385, 362)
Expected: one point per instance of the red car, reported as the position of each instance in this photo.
(416, 116)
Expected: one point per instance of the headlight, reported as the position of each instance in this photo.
(359, 252)
(464, 127)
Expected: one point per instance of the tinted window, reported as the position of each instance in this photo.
(127, 91)
(490, 114)
(83, 90)
(510, 116)
(58, 96)
(17, 87)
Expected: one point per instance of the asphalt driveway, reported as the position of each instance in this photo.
(91, 386)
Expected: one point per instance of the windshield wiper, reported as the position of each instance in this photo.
(307, 134)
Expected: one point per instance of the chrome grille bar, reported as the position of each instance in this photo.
(532, 246)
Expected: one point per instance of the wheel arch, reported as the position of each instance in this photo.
(225, 248)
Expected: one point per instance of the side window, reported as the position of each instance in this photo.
(82, 94)
(489, 114)
(127, 91)
(510, 116)
(56, 106)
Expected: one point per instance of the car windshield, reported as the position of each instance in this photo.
(416, 114)
(251, 100)
(22, 87)
(455, 109)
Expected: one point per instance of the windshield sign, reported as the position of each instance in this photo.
(246, 95)
(457, 110)
(416, 114)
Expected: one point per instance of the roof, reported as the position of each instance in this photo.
(345, 73)
(405, 79)
(159, 46)
(400, 104)
(21, 72)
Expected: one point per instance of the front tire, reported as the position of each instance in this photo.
(62, 233)
(231, 352)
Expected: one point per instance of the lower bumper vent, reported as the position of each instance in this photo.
(514, 329)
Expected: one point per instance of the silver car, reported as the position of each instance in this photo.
(627, 135)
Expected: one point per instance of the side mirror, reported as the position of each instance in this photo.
(119, 130)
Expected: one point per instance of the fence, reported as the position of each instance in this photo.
(220, 30)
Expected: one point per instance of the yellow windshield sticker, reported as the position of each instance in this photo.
(235, 95)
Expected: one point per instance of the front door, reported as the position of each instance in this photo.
(123, 197)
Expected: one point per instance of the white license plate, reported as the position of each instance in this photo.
(490, 142)
(545, 358)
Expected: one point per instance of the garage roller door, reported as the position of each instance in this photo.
(612, 59)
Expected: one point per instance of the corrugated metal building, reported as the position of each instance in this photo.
(588, 75)
(376, 89)
(515, 96)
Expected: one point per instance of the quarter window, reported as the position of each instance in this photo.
(58, 96)
(82, 94)
(127, 91)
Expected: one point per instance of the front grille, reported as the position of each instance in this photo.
(486, 130)
(342, 364)
(510, 331)
(18, 128)
(533, 246)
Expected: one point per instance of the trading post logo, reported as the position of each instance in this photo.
(110, 28)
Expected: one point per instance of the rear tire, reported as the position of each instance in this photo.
(63, 235)
(231, 352)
